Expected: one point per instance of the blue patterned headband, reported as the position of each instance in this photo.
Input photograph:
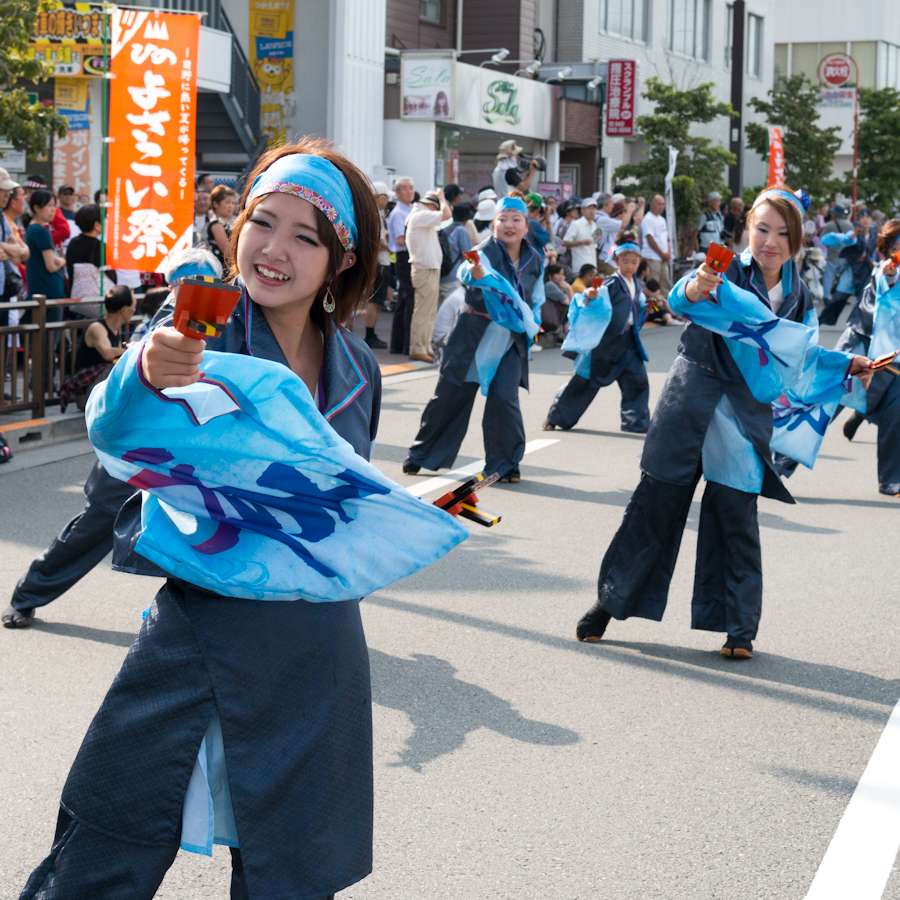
(629, 247)
(784, 195)
(513, 204)
(315, 179)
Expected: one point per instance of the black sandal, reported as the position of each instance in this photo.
(592, 625)
(16, 618)
(735, 648)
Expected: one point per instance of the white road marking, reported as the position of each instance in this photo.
(861, 854)
(441, 481)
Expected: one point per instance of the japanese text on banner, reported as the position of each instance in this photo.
(776, 158)
(152, 112)
(620, 97)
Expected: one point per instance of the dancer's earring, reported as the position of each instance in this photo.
(328, 300)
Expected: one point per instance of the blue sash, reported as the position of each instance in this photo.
(588, 321)
(886, 323)
(781, 361)
(250, 493)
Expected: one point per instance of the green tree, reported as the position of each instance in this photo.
(700, 162)
(808, 149)
(26, 126)
(878, 179)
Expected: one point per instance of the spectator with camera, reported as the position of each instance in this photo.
(514, 172)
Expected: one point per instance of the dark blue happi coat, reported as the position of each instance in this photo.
(289, 682)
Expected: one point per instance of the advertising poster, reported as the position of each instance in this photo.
(70, 37)
(620, 97)
(152, 112)
(426, 88)
(71, 157)
(272, 61)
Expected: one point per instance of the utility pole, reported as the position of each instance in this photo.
(735, 174)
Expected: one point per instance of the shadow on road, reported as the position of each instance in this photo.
(86, 633)
(443, 709)
(776, 677)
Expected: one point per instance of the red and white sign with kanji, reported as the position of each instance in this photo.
(621, 90)
(152, 117)
(835, 69)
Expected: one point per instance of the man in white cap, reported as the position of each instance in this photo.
(11, 253)
(379, 295)
(710, 225)
(581, 236)
(425, 258)
(508, 161)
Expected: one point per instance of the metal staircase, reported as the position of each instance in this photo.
(227, 123)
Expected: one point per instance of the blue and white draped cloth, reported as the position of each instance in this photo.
(840, 240)
(783, 365)
(250, 493)
(588, 321)
(886, 322)
(509, 314)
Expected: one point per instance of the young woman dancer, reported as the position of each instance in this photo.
(714, 418)
(619, 356)
(231, 721)
(486, 352)
(874, 328)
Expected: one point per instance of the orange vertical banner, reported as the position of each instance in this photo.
(152, 117)
(776, 158)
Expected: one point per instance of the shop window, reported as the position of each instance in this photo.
(689, 31)
(625, 18)
(431, 11)
(754, 46)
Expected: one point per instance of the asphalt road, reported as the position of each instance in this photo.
(512, 761)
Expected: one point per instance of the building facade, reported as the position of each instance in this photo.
(809, 30)
(682, 42)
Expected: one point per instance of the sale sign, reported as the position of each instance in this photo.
(152, 117)
(776, 158)
(620, 97)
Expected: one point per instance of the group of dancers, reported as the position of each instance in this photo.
(245, 473)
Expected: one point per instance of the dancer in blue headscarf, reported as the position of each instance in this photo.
(750, 343)
(617, 355)
(488, 346)
(242, 713)
(874, 328)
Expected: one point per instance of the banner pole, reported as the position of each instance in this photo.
(104, 156)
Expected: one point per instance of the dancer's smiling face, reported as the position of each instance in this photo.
(280, 255)
(770, 241)
(510, 227)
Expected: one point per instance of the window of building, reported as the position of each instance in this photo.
(805, 61)
(729, 34)
(689, 33)
(891, 65)
(781, 65)
(625, 18)
(754, 46)
(430, 11)
(865, 53)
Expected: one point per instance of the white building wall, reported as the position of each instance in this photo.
(409, 149)
(356, 110)
(580, 38)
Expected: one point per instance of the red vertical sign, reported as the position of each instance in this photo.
(620, 97)
(152, 110)
(776, 158)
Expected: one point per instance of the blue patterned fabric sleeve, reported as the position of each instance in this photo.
(588, 321)
(250, 493)
(501, 299)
